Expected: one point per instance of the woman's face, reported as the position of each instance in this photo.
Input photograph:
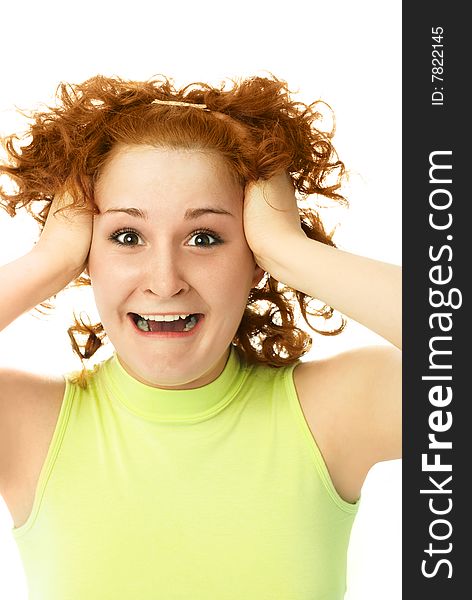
(169, 241)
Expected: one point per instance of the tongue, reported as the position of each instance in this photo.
(177, 325)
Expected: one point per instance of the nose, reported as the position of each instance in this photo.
(164, 274)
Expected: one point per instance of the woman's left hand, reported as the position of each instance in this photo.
(367, 290)
(271, 219)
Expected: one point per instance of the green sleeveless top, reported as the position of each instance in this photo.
(218, 492)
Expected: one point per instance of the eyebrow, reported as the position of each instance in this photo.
(190, 213)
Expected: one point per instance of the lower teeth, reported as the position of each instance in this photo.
(191, 324)
(143, 325)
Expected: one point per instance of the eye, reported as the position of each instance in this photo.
(126, 237)
(205, 238)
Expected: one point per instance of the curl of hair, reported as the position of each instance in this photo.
(253, 124)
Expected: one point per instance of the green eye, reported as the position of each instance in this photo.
(126, 237)
(204, 239)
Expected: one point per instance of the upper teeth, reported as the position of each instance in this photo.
(163, 317)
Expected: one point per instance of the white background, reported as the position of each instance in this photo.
(347, 53)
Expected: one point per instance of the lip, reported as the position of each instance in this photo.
(168, 334)
(162, 314)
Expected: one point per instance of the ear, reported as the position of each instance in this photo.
(258, 275)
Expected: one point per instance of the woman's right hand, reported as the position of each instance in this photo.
(58, 258)
(67, 234)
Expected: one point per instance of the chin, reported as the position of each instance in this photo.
(173, 380)
(165, 372)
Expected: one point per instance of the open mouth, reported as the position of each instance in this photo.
(166, 323)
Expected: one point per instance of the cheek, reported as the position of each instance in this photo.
(106, 272)
(96, 265)
(234, 279)
(240, 249)
(94, 255)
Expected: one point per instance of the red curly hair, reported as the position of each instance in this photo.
(254, 125)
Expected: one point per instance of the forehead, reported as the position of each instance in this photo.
(150, 174)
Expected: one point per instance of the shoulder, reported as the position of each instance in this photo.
(352, 405)
(359, 367)
(29, 406)
(360, 390)
(20, 388)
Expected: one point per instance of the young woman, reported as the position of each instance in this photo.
(203, 459)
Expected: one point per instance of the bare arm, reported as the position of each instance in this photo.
(26, 282)
(367, 290)
(58, 258)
